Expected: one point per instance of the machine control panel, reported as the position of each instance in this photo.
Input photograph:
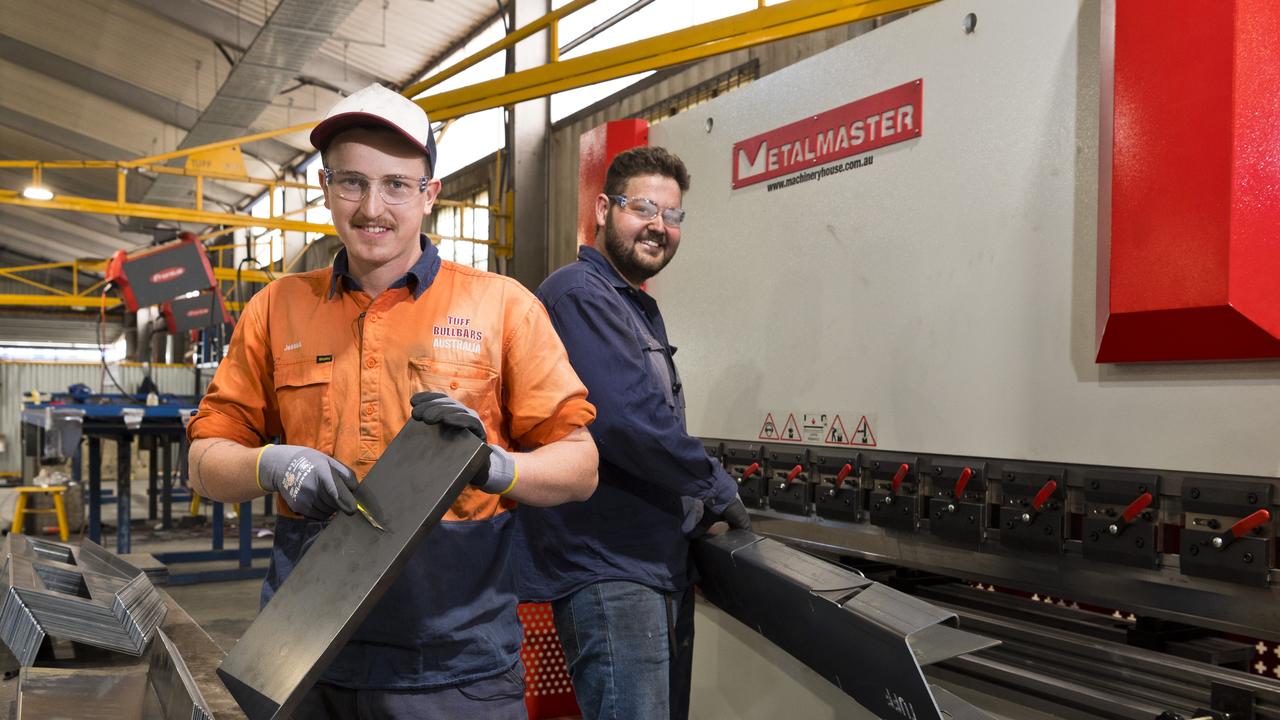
(790, 489)
(1033, 510)
(895, 491)
(745, 463)
(838, 495)
(1122, 518)
(1227, 532)
(958, 501)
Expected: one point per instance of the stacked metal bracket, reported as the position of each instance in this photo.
(80, 594)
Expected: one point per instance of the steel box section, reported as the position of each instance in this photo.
(864, 637)
(1189, 174)
(348, 569)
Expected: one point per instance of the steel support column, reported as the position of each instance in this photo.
(531, 127)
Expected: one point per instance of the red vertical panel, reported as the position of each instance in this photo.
(1193, 182)
(596, 149)
(1255, 210)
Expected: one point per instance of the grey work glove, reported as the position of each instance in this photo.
(312, 484)
(434, 408)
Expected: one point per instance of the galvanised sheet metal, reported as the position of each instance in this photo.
(867, 639)
(348, 569)
(82, 595)
(179, 695)
(81, 694)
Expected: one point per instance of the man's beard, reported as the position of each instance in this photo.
(626, 257)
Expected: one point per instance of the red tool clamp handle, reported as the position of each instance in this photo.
(791, 476)
(1043, 496)
(1247, 524)
(1136, 507)
(898, 477)
(962, 482)
(751, 470)
(844, 473)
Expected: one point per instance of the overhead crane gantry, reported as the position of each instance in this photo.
(754, 27)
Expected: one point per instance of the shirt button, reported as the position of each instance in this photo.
(371, 363)
(368, 409)
(453, 385)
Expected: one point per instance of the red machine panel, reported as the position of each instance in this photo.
(158, 274)
(197, 312)
(596, 149)
(1189, 178)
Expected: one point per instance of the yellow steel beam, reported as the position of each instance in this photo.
(71, 301)
(160, 212)
(511, 39)
(694, 43)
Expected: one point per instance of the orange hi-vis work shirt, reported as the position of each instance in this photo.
(335, 372)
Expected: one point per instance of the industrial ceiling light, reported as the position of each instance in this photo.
(36, 190)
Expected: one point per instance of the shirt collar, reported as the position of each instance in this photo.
(418, 278)
(597, 260)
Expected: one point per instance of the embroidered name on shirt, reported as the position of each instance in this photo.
(293, 346)
(457, 335)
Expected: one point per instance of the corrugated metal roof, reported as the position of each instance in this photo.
(118, 79)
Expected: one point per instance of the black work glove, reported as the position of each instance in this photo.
(433, 408)
(312, 484)
(735, 514)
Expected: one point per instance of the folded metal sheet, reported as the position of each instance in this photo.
(80, 594)
(867, 639)
(176, 689)
(318, 608)
(81, 694)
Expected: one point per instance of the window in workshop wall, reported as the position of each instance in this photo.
(460, 227)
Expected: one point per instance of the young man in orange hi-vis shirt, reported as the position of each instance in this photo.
(335, 361)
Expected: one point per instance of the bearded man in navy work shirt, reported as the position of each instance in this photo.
(616, 568)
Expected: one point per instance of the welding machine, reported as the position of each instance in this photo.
(157, 274)
(196, 312)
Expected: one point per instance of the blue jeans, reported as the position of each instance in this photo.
(629, 649)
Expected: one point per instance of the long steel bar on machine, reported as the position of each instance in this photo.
(1131, 670)
(348, 569)
(865, 638)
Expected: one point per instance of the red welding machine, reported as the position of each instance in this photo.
(157, 274)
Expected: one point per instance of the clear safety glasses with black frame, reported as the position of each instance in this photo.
(646, 209)
(393, 189)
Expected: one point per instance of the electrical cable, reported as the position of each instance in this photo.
(102, 347)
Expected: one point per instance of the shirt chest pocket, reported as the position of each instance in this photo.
(662, 369)
(472, 385)
(303, 394)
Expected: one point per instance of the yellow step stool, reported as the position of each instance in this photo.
(59, 508)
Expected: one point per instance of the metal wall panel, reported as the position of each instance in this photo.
(17, 378)
(948, 289)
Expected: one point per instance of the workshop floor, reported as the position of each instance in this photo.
(223, 609)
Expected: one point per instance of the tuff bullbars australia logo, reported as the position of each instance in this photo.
(888, 117)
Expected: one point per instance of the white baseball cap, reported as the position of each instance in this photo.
(376, 105)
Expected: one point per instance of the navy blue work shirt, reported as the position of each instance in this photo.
(630, 528)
